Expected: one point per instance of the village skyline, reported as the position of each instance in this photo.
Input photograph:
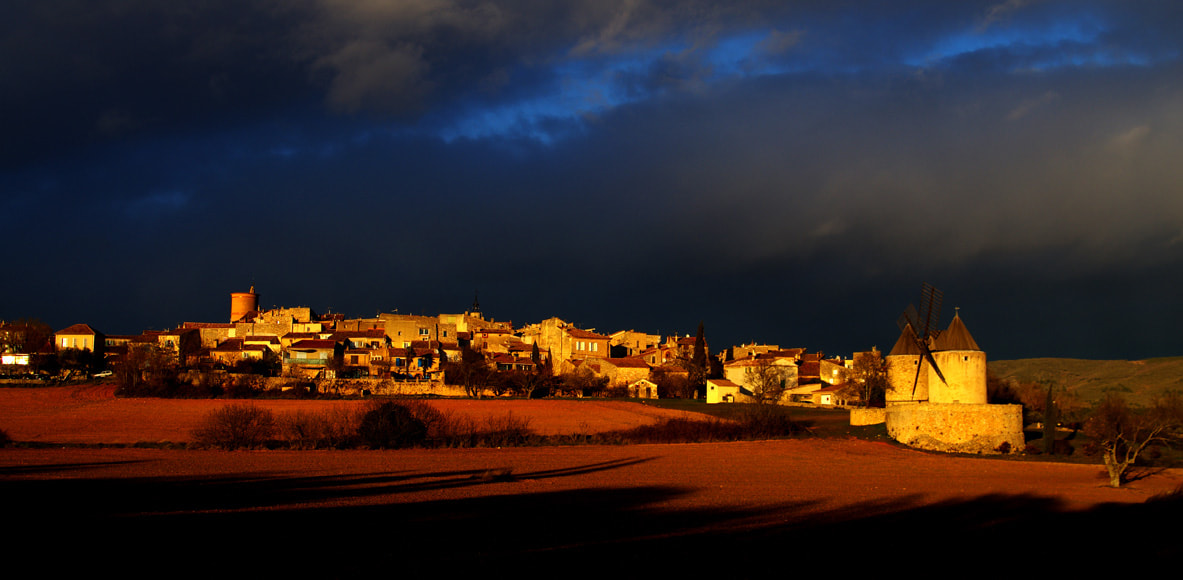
(780, 171)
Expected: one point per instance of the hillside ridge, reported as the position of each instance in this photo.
(1138, 380)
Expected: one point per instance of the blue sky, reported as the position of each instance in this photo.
(784, 172)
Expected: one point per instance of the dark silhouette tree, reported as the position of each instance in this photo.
(698, 361)
(409, 357)
(1049, 422)
(472, 372)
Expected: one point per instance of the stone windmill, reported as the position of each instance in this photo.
(927, 364)
(937, 396)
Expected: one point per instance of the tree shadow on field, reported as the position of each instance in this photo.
(253, 526)
(126, 497)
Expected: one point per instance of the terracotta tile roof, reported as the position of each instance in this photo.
(300, 335)
(831, 388)
(628, 362)
(371, 333)
(229, 345)
(586, 334)
(78, 329)
(313, 344)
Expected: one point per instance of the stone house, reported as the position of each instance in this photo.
(619, 371)
(630, 343)
(642, 389)
(403, 329)
(565, 342)
(770, 366)
(725, 391)
(312, 358)
(369, 338)
(212, 333)
(79, 336)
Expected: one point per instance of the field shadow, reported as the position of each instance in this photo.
(132, 497)
(245, 526)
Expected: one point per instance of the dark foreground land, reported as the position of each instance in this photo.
(739, 509)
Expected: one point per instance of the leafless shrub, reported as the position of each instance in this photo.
(328, 429)
(506, 430)
(236, 427)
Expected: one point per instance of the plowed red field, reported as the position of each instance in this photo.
(730, 509)
(91, 414)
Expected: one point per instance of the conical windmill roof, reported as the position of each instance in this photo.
(957, 337)
(906, 345)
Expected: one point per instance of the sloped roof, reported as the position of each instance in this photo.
(628, 362)
(369, 333)
(229, 345)
(957, 337)
(207, 325)
(906, 345)
(810, 369)
(578, 333)
(309, 344)
(78, 329)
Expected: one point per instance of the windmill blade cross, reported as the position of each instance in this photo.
(930, 306)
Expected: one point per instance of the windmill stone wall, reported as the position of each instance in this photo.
(949, 415)
(904, 384)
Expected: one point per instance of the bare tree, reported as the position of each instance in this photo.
(868, 378)
(472, 372)
(767, 379)
(1123, 433)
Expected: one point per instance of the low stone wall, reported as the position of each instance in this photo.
(957, 428)
(872, 416)
(380, 387)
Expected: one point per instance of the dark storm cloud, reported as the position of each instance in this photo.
(786, 172)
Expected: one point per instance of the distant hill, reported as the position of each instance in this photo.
(1138, 380)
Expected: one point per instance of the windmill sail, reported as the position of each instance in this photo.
(924, 326)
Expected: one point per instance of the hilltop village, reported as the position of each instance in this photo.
(448, 354)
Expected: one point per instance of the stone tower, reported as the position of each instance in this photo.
(903, 360)
(963, 364)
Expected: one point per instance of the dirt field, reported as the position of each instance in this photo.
(92, 414)
(723, 508)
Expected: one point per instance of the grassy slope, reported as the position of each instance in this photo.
(1139, 381)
